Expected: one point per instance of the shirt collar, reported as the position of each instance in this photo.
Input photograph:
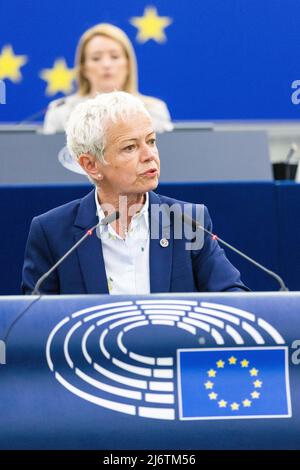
(142, 214)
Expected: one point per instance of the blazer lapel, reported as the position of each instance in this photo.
(90, 251)
(161, 247)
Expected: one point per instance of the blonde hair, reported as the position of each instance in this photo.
(115, 33)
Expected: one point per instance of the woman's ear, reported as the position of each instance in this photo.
(90, 164)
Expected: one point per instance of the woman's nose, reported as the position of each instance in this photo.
(148, 153)
(106, 61)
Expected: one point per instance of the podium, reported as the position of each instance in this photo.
(190, 153)
(195, 371)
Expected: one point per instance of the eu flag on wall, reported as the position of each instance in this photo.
(233, 383)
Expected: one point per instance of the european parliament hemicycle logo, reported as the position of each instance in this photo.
(143, 358)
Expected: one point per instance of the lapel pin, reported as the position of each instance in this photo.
(164, 242)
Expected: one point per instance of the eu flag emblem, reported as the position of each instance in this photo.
(233, 383)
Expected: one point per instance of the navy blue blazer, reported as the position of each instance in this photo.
(172, 268)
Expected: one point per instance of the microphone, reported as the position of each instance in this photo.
(195, 225)
(41, 112)
(107, 220)
(32, 117)
(292, 150)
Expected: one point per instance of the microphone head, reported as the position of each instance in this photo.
(294, 147)
(292, 150)
(59, 102)
(110, 218)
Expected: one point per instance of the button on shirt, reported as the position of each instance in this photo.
(127, 260)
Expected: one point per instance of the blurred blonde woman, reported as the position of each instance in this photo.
(105, 61)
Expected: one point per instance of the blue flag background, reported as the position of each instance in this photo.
(233, 382)
(233, 59)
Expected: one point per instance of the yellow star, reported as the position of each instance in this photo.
(59, 78)
(211, 373)
(244, 363)
(150, 25)
(234, 406)
(10, 64)
(208, 385)
(247, 403)
(255, 394)
(253, 372)
(257, 383)
(220, 364)
(222, 403)
(232, 360)
(213, 396)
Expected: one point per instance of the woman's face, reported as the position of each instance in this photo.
(105, 65)
(132, 159)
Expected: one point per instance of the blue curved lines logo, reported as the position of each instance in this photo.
(121, 356)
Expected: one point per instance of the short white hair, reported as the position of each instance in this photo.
(87, 125)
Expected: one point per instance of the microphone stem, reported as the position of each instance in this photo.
(107, 220)
(251, 260)
(32, 117)
(41, 280)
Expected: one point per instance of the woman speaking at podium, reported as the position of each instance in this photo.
(143, 249)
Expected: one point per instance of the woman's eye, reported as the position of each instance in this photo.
(152, 141)
(129, 148)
